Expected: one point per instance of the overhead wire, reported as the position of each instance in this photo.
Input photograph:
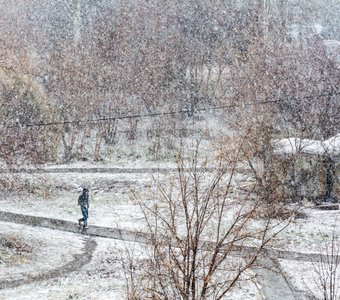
(169, 113)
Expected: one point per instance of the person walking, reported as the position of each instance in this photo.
(83, 201)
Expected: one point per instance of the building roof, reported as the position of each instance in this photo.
(329, 147)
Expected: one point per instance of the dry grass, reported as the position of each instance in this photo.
(14, 250)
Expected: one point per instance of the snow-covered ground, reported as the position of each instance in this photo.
(102, 278)
(305, 277)
(306, 235)
(111, 205)
(49, 249)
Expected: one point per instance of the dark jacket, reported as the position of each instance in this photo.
(83, 199)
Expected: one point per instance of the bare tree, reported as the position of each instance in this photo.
(203, 233)
(24, 109)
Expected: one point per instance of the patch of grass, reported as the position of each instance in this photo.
(14, 250)
(12, 242)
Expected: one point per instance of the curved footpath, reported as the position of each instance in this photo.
(273, 285)
(134, 236)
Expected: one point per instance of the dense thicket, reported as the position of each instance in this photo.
(111, 59)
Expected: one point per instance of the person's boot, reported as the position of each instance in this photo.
(79, 222)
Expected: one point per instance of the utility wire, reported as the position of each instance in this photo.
(169, 113)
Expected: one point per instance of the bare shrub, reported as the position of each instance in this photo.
(326, 271)
(25, 184)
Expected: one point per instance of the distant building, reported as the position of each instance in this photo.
(309, 169)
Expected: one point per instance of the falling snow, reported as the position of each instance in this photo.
(198, 123)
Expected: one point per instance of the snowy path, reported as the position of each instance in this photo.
(134, 236)
(110, 170)
(98, 170)
(274, 285)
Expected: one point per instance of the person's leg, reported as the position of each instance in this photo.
(86, 217)
(85, 213)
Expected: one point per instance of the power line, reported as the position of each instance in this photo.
(269, 101)
(169, 113)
